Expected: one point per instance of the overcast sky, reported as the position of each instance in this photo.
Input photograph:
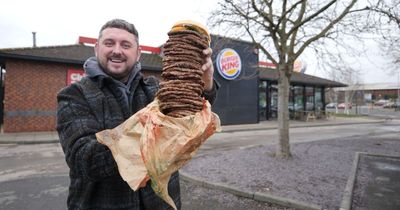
(62, 22)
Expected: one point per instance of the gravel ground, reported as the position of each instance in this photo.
(199, 198)
(317, 173)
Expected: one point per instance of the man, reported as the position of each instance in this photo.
(113, 90)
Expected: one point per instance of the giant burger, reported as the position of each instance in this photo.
(181, 89)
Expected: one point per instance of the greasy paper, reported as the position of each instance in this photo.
(151, 144)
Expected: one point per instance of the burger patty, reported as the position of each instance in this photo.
(177, 75)
(192, 40)
(180, 32)
(185, 58)
(178, 52)
(171, 60)
(181, 89)
(182, 46)
(174, 93)
(183, 65)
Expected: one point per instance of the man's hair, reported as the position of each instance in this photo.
(121, 24)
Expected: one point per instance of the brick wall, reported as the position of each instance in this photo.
(30, 92)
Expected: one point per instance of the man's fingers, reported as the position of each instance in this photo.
(207, 52)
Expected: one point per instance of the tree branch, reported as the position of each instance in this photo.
(295, 27)
(326, 29)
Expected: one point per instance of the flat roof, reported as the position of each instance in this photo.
(79, 53)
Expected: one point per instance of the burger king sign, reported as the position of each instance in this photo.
(229, 64)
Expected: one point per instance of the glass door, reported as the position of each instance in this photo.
(262, 91)
(273, 106)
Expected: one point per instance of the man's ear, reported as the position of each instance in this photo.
(139, 53)
(96, 47)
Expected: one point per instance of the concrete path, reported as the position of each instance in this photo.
(52, 137)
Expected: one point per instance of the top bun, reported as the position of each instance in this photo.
(192, 25)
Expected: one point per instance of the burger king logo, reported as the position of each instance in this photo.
(229, 64)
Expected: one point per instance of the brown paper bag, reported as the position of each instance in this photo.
(151, 144)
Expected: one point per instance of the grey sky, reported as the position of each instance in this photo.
(62, 22)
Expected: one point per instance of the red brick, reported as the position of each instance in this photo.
(32, 86)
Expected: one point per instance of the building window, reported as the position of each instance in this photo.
(274, 101)
(318, 99)
(309, 98)
(298, 103)
(262, 88)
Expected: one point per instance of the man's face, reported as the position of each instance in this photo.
(117, 52)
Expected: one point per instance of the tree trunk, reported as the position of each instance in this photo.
(346, 102)
(283, 115)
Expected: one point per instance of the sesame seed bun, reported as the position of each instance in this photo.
(192, 25)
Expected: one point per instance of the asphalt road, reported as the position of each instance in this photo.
(36, 176)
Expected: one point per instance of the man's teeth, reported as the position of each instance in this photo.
(116, 60)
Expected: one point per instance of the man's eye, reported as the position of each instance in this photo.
(126, 46)
(108, 44)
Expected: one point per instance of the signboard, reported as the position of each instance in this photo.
(229, 64)
(298, 66)
(74, 75)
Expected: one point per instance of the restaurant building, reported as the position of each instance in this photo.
(32, 77)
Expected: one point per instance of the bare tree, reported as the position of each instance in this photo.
(388, 22)
(349, 76)
(376, 22)
(282, 30)
(352, 79)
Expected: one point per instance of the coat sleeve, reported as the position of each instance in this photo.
(76, 126)
(211, 96)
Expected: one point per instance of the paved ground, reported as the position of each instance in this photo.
(313, 179)
(52, 137)
(377, 184)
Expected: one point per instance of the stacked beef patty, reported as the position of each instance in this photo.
(182, 85)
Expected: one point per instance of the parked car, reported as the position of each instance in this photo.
(331, 106)
(397, 105)
(296, 107)
(389, 105)
(381, 102)
(343, 105)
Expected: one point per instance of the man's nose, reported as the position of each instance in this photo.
(117, 49)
